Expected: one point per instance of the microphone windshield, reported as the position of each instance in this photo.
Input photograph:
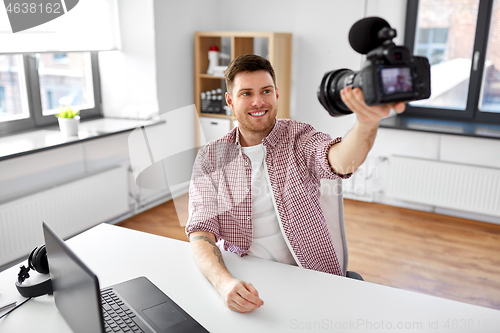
(363, 34)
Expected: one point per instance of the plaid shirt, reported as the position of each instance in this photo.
(220, 199)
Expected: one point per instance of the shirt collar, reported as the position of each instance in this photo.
(273, 137)
(237, 133)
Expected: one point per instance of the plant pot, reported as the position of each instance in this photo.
(69, 126)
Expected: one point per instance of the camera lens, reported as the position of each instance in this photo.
(329, 91)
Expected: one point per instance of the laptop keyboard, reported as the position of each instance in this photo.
(117, 316)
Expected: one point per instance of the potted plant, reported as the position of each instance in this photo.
(68, 120)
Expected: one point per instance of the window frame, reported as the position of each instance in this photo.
(36, 118)
(471, 114)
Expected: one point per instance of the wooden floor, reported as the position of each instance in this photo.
(433, 254)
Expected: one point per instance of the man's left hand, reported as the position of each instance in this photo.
(367, 115)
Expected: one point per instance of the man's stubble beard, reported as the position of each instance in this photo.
(267, 126)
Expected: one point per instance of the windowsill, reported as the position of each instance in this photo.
(46, 138)
(442, 126)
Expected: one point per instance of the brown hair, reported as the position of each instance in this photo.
(247, 63)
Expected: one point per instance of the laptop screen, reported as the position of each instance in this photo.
(76, 288)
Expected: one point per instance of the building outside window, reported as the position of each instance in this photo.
(461, 39)
(432, 43)
(65, 79)
(13, 98)
(2, 101)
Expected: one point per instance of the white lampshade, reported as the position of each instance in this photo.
(92, 25)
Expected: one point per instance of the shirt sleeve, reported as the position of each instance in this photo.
(203, 212)
(316, 147)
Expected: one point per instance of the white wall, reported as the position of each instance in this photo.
(320, 43)
(128, 75)
(158, 63)
(158, 46)
(153, 70)
(175, 24)
(321, 46)
(152, 73)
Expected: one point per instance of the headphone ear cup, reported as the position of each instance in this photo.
(30, 258)
(39, 260)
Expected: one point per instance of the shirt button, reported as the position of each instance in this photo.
(246, 163)
(248, 218)
(248, 190)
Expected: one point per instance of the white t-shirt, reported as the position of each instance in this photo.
(268, 242)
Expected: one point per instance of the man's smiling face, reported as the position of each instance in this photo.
(254, 102)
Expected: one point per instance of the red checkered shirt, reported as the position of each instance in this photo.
(220, 199)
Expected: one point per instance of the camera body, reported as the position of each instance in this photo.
(390, 74)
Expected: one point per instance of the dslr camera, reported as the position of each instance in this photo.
(390, 74)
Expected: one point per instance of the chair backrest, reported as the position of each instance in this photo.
(332, 204)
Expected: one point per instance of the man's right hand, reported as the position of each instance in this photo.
(239, 296)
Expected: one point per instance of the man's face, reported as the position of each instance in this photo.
(254, 101)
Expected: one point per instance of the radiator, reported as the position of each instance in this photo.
(69, 209)
(456, 186)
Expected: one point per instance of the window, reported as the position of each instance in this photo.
(432, 43)
(2, 100)
(33, 86)
(13, 97)
(65, 79)
(461, 40)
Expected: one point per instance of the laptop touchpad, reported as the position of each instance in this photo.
(163, 315)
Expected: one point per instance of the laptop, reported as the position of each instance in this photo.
(132, 306)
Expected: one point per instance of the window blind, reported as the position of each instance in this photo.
(89, 25)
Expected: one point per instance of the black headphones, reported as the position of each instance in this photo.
(37, 261)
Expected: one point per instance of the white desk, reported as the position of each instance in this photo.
(295, 299)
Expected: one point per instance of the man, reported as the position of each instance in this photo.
(399, 86)
(255, 191)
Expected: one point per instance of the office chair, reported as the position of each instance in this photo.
(332, 204)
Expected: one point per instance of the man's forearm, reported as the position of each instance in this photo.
(348, 155)
(238, 295)
(208, 258)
